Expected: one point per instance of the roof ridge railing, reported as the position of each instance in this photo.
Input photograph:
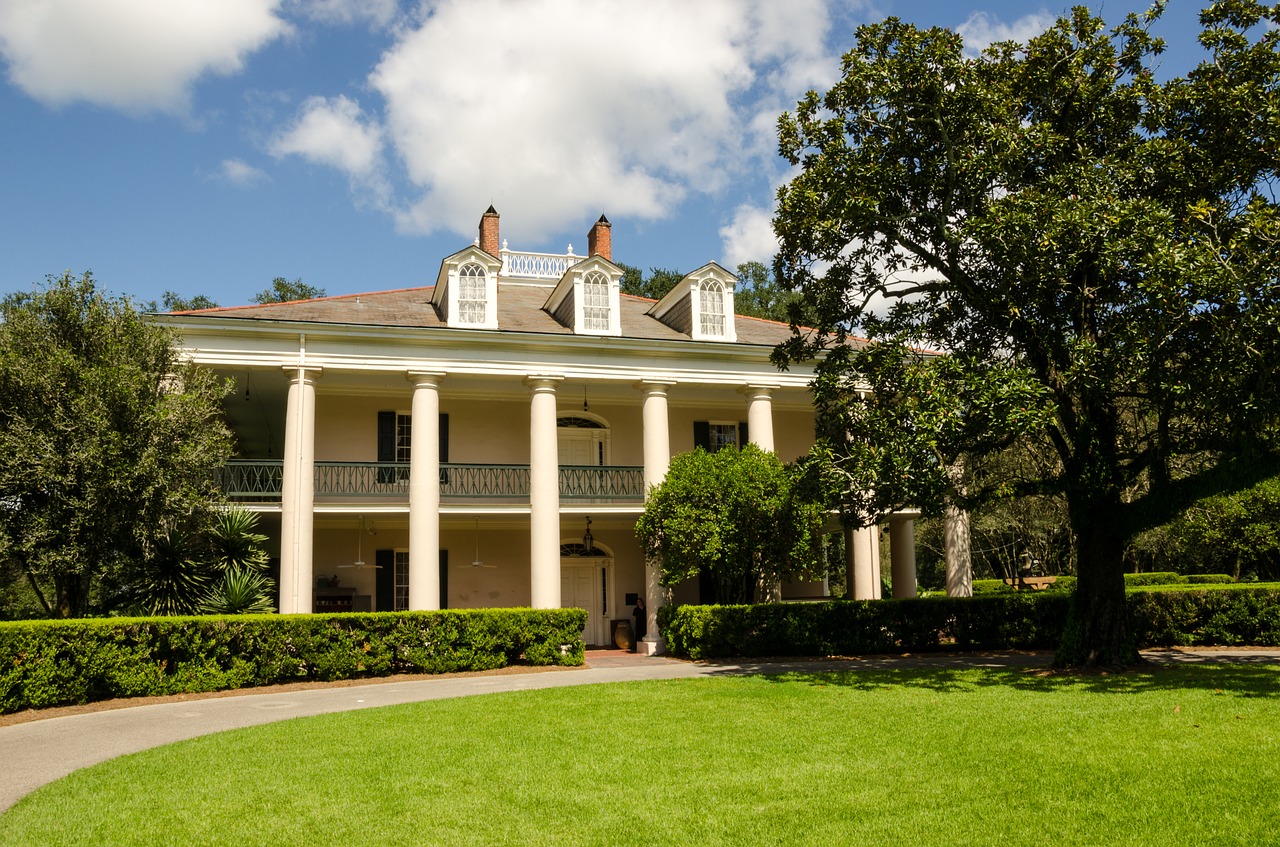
(532, 265)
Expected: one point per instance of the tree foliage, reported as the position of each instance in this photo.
(735, 516)
(175, 302)
(107, 439)
(758, 295)
(1095, 251)
(654, 286)
(285, 290)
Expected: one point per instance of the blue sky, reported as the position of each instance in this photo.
(208, 146)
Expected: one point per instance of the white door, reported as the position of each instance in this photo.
(581, 446)
(583, 587)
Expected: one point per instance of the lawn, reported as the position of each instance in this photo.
(1177, 756)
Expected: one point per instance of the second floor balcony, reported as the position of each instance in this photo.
(250, 481)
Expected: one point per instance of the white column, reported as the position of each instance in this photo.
(860, 556)
(544, 494)
(657, 458)
(760, 415)
(298, 492)
(902, 555)
(760, 433)
(955, 542)
(424, 492)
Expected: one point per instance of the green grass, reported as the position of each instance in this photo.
(1187, 755)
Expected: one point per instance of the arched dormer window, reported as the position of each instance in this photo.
(595, 302)
(711, 308)
(472, 294)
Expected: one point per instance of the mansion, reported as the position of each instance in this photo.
(488, 440)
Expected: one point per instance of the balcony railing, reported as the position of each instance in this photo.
(537, 265)
(262, 481)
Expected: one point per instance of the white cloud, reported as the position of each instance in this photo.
(749, 237)
(982, 29)
(333, 132)
(555, 109)
(135, 55)
(241, 174)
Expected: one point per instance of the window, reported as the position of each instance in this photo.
(595, 302)
(395, 443)
(401, 582)
(472, 300)
(713, 436)
(711, 308)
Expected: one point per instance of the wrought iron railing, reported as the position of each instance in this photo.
(249, 480)
(594, 482)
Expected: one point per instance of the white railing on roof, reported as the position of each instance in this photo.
(537, 265)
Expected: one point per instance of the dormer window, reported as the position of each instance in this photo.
(595, 302)
(711, 311)
(586, 299)
(472, 299)
(700, 305)
(466, 294)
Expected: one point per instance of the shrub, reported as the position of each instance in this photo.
(55, 663)
(993, 586)
(1153, 578)
(997, 621)
(1209, 578)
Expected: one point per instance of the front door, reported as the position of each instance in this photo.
(585, 587)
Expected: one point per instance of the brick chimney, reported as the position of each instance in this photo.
(489, 242)
(600, 239)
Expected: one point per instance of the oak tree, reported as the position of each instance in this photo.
(1094, 252)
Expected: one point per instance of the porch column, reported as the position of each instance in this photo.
(544, 494)
(902, 554)
(955, 544)
(424, 491)
(862, 573)
(760, 415)
(657, 458)
(760, 433)
(298, 491)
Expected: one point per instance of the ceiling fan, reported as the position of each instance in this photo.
(359, 563)
(476, 563)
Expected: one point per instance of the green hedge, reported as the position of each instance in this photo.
(999, 621)
(853, 627)
(1153, 578)
(56, 663)
(1210, 578)
(994, 586)
(1206, 617)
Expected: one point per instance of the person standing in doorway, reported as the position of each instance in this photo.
(642, 619)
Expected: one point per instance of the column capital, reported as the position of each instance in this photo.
(903, 515)
(311, 372)
(426, 378)
(759, 389)
(543, 382)
(654, 386)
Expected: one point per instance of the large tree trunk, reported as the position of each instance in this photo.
(1097, 632)
(72, 595)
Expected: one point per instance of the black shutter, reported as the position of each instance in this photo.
(385, 580)
(742, 435)
(386, 446)
(444, 450)
(444, 579)
(702, 435)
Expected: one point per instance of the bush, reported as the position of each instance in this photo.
(852, 627)
(1206, 617)
(1153, 578)
(994, 586)
(1209, 578)
(57, 663)
(997, 621)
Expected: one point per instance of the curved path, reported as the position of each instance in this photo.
(39, 751)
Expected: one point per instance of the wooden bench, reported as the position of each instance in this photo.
(1035, 583)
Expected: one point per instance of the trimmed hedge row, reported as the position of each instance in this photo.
(992, 586)
(57, 663)
(853, 627)
(1002, 621)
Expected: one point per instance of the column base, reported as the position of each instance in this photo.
(652, 646)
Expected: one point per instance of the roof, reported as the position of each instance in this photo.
(519, 310)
